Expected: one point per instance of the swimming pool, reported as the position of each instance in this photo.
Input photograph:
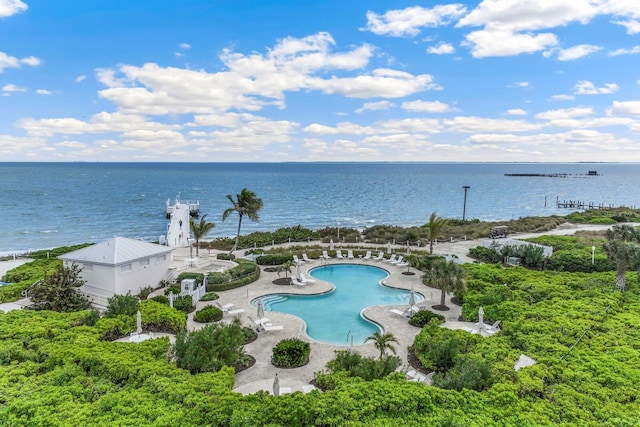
(334, 317)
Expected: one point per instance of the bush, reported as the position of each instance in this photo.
(208, 314)
(291, 353)
(209, 296)
(90, 319)
(145, 292)
(273, 259)
(175, 289)
(184, 304)
(244, 273)
(226, 257)
(210, 348)
(468, 372)
(161, 299)
(423, 317)
(122, 304)
(356, 365)
(189, 275)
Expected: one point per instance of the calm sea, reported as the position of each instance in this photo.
(46, 205)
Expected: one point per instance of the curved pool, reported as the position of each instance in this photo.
(334, 317)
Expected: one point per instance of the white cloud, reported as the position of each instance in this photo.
(11, 7)
(577, 52)
(375, 106)
(43, 92)
(441, 49)
(562, 97)
(11, 88)
(427, 106)
(516, 112)
(585, 87)
(185, 46)
(471, 124)
(80, 78)
(7, 61)
(565, 113)
(625, 108)
(632, 26)
(409, 21)
(487, 43)
(634, 50)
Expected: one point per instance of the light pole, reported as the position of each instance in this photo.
(593, 255)
(464, 206)
(338, 231)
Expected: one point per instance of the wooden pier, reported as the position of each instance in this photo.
(577, 204)
(557, 175)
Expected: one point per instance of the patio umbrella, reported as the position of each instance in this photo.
(298, 270)
(260, 309)
(388, 247)
(481, 317)
(139, 323)
(276, 386)
(412, 302)
(331, 244)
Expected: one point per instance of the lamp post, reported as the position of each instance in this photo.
(338, 231)
(593, 255)
(464, 206)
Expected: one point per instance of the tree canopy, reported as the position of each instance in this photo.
(246, 204)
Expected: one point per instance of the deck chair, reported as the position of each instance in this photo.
(402, 264)
(304, 257)
(367, 255)
(295, 281)
(305, 279)
(350, 254)
(296, 259)
(380, 256)
(391, 259)
(492, 329)
(325, 255)
(225, 308)
(339, 254)
(398, 312)
(271, 327)
(397, 261)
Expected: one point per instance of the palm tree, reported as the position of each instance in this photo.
(446, 276)
(623, 249)
(200, 229)
(285, 267)
(246, 203)
(383, 342)
(434, 229)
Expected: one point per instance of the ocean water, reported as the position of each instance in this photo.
(46, 205)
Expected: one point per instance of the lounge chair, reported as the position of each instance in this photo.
(390, 259)
(295, 281)
(304, 257)
(380, 256)
(470, 330)
(325, 255)
(367, 255)
(493, 328)
(225, 308)
(307, 388)
(398, 312)
(350, 254)
(271, 327)
(296, 259)
(402, 264)
(235, 312)
(305, 279)
(397, 261)
(339, 254)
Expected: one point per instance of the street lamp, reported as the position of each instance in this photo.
(464, 207)
(593, 255)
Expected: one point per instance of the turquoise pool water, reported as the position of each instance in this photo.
(334, 317)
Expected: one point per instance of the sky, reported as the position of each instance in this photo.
(291, 80)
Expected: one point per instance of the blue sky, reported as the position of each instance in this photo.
(204, 81)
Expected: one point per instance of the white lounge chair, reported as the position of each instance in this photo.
(402, 264)
(235, 312)
(325, 255)
(339, 254)
(380, 256)
(470, 330)
(390, 259)
(305, 258)
(305, 279)
(350, 254)
(398, 312)
(493, 328)
(307, 388)
(225, 308)
(295, 281)
(296, 259)
(367, 255)
(271, 327)
(397, 261)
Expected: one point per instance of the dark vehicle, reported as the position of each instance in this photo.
(498, 232)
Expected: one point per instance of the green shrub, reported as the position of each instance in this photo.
(172, 289)
(356, 365)
(218, 278)
(274, 259)
(291, 353)
(190, 275)
(184, 303)
(209, 296)
(423, 317)
(91, 318)
(55, 252)
(122, 304)
(145, 292)
(161, 299)
(226, 257)
(208, 314)
(470, 372)
(244, 273)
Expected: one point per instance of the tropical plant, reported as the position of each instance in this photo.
(448, 276)
(434, 229)
(291, 353)
(423, 317)
(285, 268)
(382, 342)
(245, 204)
(59, 291)
(623, 249)
(122, 304)
(208, 314)
(200, 229)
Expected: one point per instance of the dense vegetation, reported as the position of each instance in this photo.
(291, 353)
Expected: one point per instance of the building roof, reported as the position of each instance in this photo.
(120, 250)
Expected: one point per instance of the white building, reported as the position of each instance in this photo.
(119, 266)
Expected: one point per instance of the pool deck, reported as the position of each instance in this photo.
(262, 374)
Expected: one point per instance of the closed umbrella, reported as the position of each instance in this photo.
(139, 323)
(481, 317)
(388, 247)
(412, 302)
(260, 309)
(298, 270)
(276, 386)
(331, 244)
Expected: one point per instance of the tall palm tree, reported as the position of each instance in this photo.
(434, 229)
(383, 342)
(446, 276)
(246, 203)
(200, 229)
(623, 249)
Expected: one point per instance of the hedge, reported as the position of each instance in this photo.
(208, 314)
(291, 353)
